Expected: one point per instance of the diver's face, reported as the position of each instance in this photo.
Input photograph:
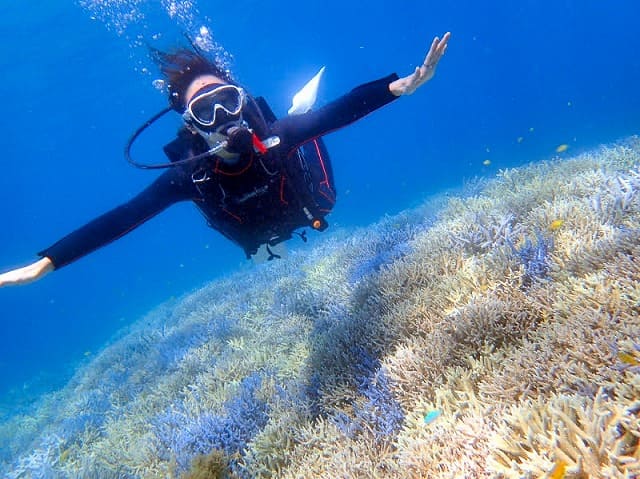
(199, 83)
(213, 105)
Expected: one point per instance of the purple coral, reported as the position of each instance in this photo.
(534, 258)
(381, 413)
(183, 437)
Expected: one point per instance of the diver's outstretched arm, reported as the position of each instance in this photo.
(422, 74)
(27, 274)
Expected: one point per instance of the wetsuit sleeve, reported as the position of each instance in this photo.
(359, 102)
(169, 188)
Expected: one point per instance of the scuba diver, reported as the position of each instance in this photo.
(256, 179)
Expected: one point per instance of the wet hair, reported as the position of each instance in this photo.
(180, 67)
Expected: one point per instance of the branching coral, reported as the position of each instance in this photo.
(377, 412)
(534, 259)
(183, 438)
(593, 437)
(406, 349)
(482, 233)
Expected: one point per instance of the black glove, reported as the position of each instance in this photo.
(240, 140)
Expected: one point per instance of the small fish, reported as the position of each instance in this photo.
(64, 455)
(558, 470)
(531, 130)
(431, 416)
(628, 359)
(87, 354)
(562, 148)
(520, 139)
(486, 162)
(555, 225)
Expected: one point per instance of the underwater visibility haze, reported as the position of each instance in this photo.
(481, 265)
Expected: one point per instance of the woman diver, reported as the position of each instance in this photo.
(256, 179)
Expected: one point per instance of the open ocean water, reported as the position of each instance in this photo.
(518, 80)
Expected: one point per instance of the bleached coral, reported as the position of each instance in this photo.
(441, 342)
(593, 437)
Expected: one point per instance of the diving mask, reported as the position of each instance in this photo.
(213, 107)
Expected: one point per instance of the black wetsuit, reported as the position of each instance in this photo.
(264, 202)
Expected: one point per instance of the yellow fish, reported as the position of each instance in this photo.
(558, 470)
(64, 455)
(486, 162)
(628, 359)
(555, 225)
(562, 148)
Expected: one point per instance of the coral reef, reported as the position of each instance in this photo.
(491, 333)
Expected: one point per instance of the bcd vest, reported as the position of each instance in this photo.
(265, 199)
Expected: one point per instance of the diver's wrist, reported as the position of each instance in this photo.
(397, 87)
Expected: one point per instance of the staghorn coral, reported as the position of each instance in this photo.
(484, 232)
(214, 465)
(378, 414)
(327, 364)
(595, 437)
(535, 259)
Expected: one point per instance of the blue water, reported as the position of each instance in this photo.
(74, 87)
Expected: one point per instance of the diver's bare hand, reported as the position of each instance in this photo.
(28, 274)
(422, 74)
